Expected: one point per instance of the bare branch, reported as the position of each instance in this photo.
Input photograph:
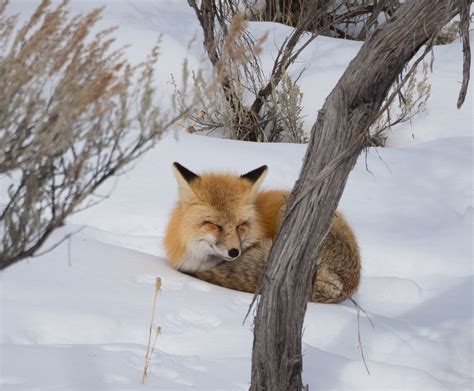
(466, 49)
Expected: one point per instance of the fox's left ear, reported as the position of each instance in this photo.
(185, 178)
(256, 177)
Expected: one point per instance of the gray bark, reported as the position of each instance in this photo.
(338, 137)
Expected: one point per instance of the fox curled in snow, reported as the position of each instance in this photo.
(222, 228)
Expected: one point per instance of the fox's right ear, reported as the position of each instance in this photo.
(185, 179)
(256, 177)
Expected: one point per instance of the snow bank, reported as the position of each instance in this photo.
(86, 305)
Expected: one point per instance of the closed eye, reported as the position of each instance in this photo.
(210, 224)
(243, 228)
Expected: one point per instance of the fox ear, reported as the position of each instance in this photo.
(256, 177)
(185, 178)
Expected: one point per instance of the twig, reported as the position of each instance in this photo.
(254, 300)
(66, 237)
(466, 49)
(396, 92)
(363, 311)
(359, 339)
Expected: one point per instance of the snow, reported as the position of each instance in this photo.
(78, 316)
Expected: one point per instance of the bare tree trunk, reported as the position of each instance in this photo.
(338, 137)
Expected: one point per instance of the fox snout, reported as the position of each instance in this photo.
(226, 253)
(229, 253)
(230, 243)
(234, 252)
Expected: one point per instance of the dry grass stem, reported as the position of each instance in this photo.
(151, 343)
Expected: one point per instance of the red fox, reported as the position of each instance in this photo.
(222, 229)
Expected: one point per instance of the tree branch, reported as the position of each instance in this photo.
(466, 49)
(337, 138)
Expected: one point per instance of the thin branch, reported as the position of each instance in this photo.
(466, 49)
(57, 244)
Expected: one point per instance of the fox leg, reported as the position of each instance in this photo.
(328, 287)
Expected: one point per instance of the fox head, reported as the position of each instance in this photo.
(215, 218)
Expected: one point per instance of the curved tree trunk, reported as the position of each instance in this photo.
(338, 137)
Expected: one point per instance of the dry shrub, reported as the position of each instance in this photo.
(73, 113)
(449, 33)
(249, 104)
(289, 12)
(253, 106)
(356, 19)
(287, 123)
(281, 119)
(348, 19)
(411, 98)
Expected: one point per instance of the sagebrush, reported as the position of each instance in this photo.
(73, 113)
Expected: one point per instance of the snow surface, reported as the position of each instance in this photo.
(77, 317)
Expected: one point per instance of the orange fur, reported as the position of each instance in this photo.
(221, 214)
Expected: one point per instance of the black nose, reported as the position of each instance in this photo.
(234, 253)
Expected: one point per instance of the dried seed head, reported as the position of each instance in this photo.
(157, 284)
